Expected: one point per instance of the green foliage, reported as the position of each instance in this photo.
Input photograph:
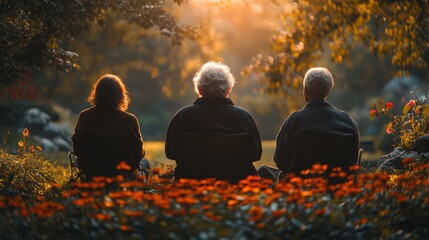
(28, 174)
(36, 33)
(394, 29)
(411, 124)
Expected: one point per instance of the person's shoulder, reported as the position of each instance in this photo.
(295, 115)
(126, 115)
(240, 109)
(185, 109)
(87, 112)
(346, 115)
(342, 112)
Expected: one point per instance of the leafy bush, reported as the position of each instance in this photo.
(408, 126)
(28, 174)
(366, 206)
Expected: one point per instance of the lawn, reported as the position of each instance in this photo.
(155, 154)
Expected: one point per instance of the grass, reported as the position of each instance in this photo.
(156, 155)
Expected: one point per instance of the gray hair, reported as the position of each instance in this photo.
(213, 80)
(319, 82)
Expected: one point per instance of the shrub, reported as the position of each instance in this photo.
(28, 174)
(406, 127)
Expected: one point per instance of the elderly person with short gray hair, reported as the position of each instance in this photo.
(213, 138)
(324, 133)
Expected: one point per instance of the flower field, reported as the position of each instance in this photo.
(38, 202)
(365, 206)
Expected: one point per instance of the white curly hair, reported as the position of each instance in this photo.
(214, 79)
(319, 82)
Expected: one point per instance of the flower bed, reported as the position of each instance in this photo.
(366, 206)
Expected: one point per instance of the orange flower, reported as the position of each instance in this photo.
(279, 213)
(78, 202)
(260, 225)
(123, 166)
(389, 129)
(102, 217)
(407, 160)
(360, 201)
(40, 197)
(306, 193)
(308, 205)
(320, 211)
(156, 171)
(125, 228)
(401, 198)
(133, 213)
(354, 168)
(194, 211)
(256, 210)
(411, 103)
(417, 111)
(25, 132)
(206, 207)
(232, 202)
(373, 113)
(20, 144)
(389, 105)
(361, 221)
(24, 212)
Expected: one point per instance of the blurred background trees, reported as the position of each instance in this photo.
(268, 45)
(36, 33)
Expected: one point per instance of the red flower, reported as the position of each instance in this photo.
(373, 113)
(389, 105)
(407, 160)
(411, 103)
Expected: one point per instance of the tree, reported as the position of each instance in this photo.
(394, 29)
(36, 33)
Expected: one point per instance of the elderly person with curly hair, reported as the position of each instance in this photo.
(213, 138)
(106, 134)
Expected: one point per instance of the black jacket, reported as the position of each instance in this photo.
(315, 121)
(103, 138)
(213, 138)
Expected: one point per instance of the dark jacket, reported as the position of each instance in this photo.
(104, 137)
(213, 138)
(319, 124)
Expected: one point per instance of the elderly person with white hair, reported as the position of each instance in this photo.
(213, 138)
(318, 133)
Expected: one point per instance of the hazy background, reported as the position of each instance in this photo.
(159, 75)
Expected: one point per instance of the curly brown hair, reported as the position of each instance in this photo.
(109, 91)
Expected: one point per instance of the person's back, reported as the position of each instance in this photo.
(105, 134)
(318, 133)
(213, 138)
